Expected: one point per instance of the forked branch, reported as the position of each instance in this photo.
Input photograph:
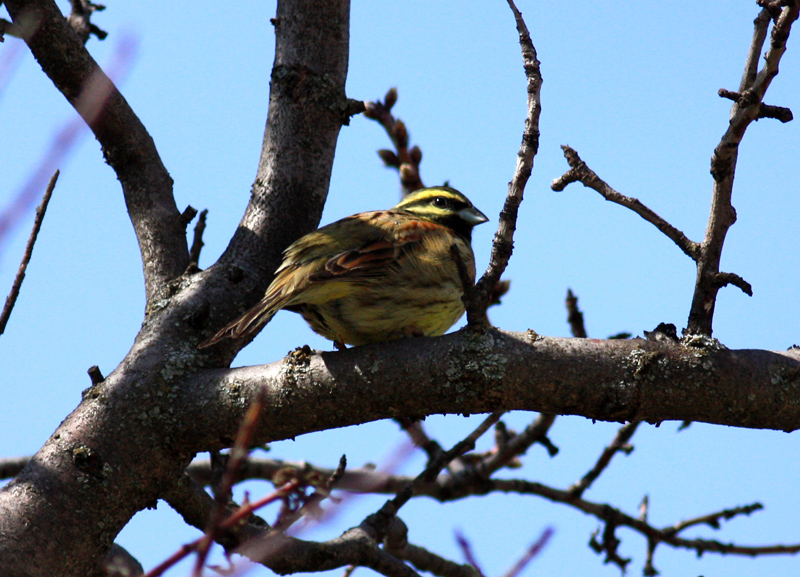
(748, 106)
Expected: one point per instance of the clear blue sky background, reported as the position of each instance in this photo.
(632, 86)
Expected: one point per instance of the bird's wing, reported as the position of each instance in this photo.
(397, 235)
(343, 251)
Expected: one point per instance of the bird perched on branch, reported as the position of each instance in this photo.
(375, 276)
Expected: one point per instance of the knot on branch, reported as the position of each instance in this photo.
(748, 98)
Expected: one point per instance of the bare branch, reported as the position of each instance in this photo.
(424, 560)
(11, 299)
(615, 379)
(575, 316)
(504, 238)
(614, 518)
(535, 548)
(620, 443)
(80, 19)
(435, 467)
(761, 25)
(726, 278)
(197, 243)
(713, 519)
(745, 110)
(404, 159)
(420, 438)
(127, 146)
(766, 111)
(518, 445)
(11, 466)
(580, 172)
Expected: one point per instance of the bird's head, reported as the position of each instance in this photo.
(443, 205)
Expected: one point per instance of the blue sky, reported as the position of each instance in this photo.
(632, 86)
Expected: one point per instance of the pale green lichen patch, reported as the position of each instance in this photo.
(643, 364)
(478, 357)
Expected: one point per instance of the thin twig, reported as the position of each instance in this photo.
(620, 443)
(237, 456)
(466, 551)
(531, 553)
(580, 172)
(378, 523)
(396, 543)
(433, 469)
(575, 316)
(225, 523)
(420, 438)
(26, 257)
(403, 159)
(713, 519)
(536, 432)
(616, 518)
(761, 25)
(197, 241)
(503, 244)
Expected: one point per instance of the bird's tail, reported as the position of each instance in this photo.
(247, 325)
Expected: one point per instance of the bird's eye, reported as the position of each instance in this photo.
(440, 201)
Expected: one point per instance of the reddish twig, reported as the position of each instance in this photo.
(466, 551)
(232, 520)
(535, 548)
(237, 456)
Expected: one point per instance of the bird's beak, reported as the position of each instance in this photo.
(473, 216)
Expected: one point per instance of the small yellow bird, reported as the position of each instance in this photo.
(375, 276)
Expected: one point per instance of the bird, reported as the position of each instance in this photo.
(375, 276)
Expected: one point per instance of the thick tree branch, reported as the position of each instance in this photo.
(126, 144)
(606, 380)
(289, 192)
(90, 464)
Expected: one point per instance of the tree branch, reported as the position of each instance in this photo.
(289, 191)
(90, 463)
(616, 380)
(620, 443)
(745, 110)
(403, 159)
(11, 299)
(126, 144)
(197, 241)
(580, 172)
(504, 238)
